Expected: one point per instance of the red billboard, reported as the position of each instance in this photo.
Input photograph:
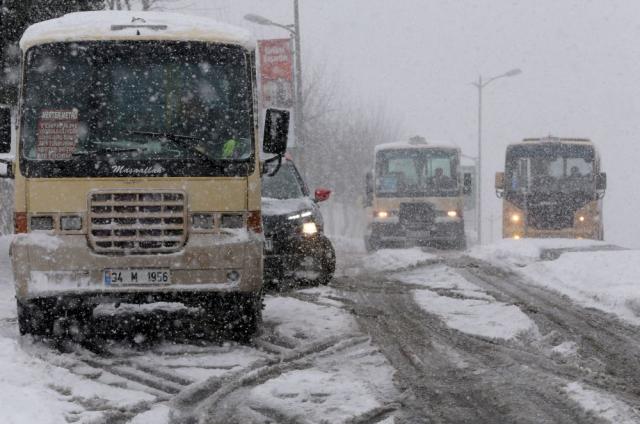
(276, 73)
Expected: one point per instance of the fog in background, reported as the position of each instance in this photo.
(580, 63)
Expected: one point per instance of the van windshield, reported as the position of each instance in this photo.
(138, 108)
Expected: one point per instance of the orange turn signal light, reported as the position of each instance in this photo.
(20, 222)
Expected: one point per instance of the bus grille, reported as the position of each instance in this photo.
(416, 215)
(137, 222)
(550, 217)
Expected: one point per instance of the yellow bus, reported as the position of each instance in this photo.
(137, 174)
(552, 187)
(416, 195)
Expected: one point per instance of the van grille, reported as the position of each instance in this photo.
(136, 222)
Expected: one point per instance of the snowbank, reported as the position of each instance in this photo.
(607, 280)
(592, 273)
(526, 251)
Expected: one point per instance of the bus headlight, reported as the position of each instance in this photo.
(41, 222)
(381, 214)
(202, 221)
(515, 217)
(309, 228)
(70, 223)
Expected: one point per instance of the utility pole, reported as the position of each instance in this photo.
(480, 85)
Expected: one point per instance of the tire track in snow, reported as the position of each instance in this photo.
(200, 402)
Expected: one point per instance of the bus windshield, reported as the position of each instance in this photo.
(416, 173)
(151, 108)
(550, 168)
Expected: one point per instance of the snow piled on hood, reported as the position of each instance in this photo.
(271, 206)
(87, 26)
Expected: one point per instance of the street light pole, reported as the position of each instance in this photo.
(298, 54)
(480, 85)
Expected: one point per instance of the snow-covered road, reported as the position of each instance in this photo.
(400, 336)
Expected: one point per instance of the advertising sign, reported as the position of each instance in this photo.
(276, 73)
(57, 134)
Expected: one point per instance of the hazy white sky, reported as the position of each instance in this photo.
(580, 61)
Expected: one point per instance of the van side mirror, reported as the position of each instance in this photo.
(499, 185)
(5, 129)
(276, 131)
(322, 194)
(466, 188)
(368, 198)
(601, 181)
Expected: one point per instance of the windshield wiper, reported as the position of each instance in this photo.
(105, 151)
(180, 140)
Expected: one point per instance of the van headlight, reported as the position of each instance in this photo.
(309, 228)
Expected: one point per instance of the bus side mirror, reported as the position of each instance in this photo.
(499, 185)
(5, 129)
(466, 188)
(368, 198)
(6, 169)
(601, 181)
(276, 131)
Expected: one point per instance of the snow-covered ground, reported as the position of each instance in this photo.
(608, 280)
(465, 307)
(338, 375)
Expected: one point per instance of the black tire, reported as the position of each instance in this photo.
(238, 316)
(327, 261)
(371, 244)
(34, 319)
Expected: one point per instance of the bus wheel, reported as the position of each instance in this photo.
(34, 319)
(248, 318)
(240, 315)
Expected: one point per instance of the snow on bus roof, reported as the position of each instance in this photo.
(409, 145)
(131, 25)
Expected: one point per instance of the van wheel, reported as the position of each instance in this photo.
(370, 244)
(328, 262)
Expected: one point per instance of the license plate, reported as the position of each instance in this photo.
(268, 245)
(123, 277)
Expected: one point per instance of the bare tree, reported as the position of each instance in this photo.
(340, 133)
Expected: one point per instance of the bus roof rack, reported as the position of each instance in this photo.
(552, 139)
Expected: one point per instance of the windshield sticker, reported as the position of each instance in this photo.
(57, 134)
(388, 184)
